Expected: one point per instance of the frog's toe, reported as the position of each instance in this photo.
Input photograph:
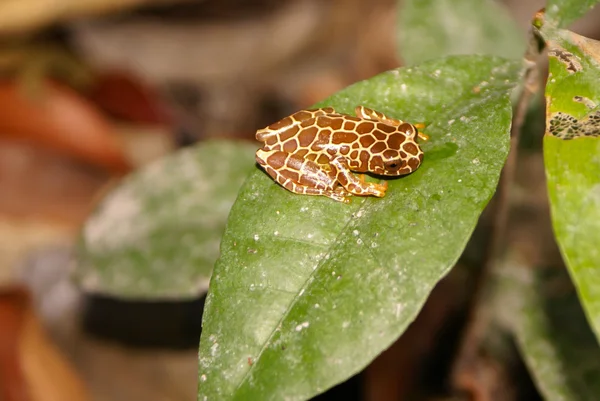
(341, 191)
(379, 189)
(340, 197)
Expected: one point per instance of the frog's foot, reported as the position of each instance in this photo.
(381, 189)
(421, 135)
(340, 196)
(374, 189)
(336, 195)
(341, 193)
(368, 188)
(355, 185)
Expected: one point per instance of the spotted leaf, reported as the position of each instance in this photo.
(572, 158)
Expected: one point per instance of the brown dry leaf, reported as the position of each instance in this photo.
(31, 367)
(125, 96)
(13, 386)
(50, 377)
(60, 119)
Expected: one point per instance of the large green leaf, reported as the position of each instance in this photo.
(552, 333)
(572, 159)
(561, 13)
(435, 28)
(307, 290)
(157, 234)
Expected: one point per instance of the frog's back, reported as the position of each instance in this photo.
(271, 134)
(324, 137)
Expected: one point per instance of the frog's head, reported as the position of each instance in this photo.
(402, 154)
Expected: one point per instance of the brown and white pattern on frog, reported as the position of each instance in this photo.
(314, 152)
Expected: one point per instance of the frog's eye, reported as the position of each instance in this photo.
(393, 165)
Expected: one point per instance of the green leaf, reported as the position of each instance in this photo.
(434, 28)
(157, 234)
(561, 13)
(573, 175)
(307, 290)
(572, 159)
(553, 336)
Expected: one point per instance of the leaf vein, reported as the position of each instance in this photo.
(308, 280)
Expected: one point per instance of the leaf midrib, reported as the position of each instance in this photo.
(324, 259)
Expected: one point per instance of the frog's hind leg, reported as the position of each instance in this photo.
(338, 194)
(271, 132)
(354, 184)
(420, 134)
(370, 114)
(300, 176)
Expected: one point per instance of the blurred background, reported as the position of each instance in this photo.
(92, 90)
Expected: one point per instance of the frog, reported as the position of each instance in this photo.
(318, 151)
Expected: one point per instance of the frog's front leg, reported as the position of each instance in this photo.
(299, 175)
(353, 184)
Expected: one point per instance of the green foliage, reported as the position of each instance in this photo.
(157, 234)
(302, 280)
(307, 291)
(572, 170)
(561, 13)
(435, 28)
(572, 159)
